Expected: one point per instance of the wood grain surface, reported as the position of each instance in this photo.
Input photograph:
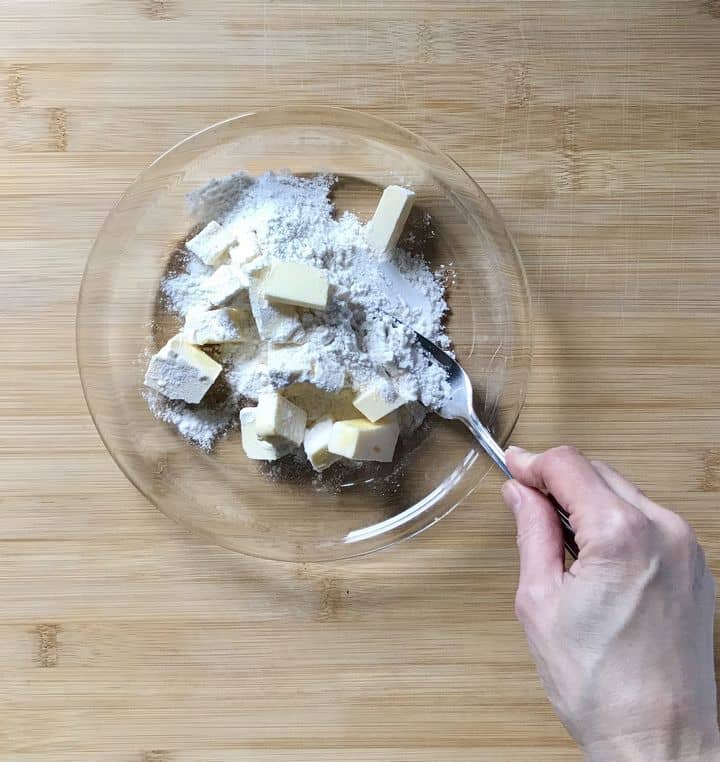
(595, 128)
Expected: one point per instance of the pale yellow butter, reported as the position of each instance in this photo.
(316, 441)
(279, 420)
(226, 284)
(390, 217)
(256, 448)
(359, 439)
(275, 322)
(374, 405)
(297, 284)
(211, 243)
(181, 371)
(246, 249)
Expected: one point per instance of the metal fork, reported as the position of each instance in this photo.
(460, 407)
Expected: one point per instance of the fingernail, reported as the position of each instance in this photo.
(512, 496)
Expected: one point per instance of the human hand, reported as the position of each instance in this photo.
(623, 640)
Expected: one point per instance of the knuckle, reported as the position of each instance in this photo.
(529, 600)
(680, 533)
(620, 527)
(561, 456)
(614, 522)
(634, 522)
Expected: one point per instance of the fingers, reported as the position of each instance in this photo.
(604, 522)
(538, 535)
(564, 472)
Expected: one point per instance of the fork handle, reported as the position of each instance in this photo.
(497, 455)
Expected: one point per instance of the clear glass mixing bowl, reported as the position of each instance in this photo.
(223, 495)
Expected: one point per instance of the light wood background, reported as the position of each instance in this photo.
(594, 126)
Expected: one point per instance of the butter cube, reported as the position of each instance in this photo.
(297, 284)
(275, 323)
(226, 284)
(181, 371)
(222, 326)
(359, 439)
(254, 267)
(246, 249)
(279, 420)
(375, 403)
(390, 217)
(316, 441)
(211, 243)
(255, 448)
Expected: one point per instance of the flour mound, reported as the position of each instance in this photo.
(364, 336)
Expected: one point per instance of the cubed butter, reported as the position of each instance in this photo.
(276, 323)
(181, 371)
(359, 439)
(279, 420)
(255, 267)
(256, 448)
(246, 248)
(297, 284)
(211, 243)
(374, 404)
(226, 284)
(316, 441)
(222, 326)
(390, 217)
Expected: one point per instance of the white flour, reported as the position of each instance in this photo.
(202, 424)
(354, 343)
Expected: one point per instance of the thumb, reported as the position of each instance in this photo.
(539, 536)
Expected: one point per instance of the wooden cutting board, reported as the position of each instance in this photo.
(595, 128)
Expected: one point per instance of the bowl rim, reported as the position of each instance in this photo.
(403, 516)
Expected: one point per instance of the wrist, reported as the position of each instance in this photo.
(682, 746)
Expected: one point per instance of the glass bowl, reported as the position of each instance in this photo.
(222, 495)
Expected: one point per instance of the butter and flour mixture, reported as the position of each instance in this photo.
(321, 356)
